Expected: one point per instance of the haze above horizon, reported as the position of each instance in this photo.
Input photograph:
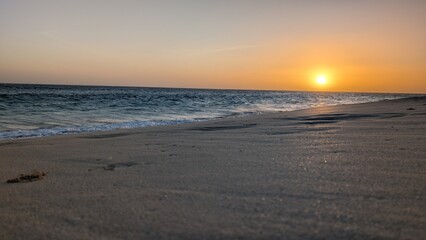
(352, 46)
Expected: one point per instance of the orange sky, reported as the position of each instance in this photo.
(363, 46)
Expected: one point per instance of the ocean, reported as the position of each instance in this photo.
(45, 110)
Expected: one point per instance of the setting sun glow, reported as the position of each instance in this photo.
(321, 80)
(360, 46)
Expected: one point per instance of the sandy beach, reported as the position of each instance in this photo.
(342, 172)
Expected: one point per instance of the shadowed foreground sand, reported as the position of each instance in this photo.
(344, 172)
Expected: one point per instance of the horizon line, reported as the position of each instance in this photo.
(201, 88)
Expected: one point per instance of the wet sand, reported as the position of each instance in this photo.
(342, 172)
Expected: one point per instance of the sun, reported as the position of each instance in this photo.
(321, 79)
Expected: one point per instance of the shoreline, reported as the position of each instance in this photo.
(243, 115)
(354, 171)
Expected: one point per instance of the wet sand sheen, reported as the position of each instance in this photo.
(350, 171)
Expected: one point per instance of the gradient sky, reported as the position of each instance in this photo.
(371, 45)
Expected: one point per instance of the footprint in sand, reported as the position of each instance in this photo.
(113, 166)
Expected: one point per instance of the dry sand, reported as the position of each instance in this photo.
(343, 172)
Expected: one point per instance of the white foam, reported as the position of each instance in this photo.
(72, 130)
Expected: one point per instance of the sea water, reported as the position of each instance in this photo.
(45, 110)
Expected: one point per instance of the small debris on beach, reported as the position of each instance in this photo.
(23, 178)
(410, 109)
(113, 166)
(110, 167)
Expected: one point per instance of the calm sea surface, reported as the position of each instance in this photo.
(42, 110)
